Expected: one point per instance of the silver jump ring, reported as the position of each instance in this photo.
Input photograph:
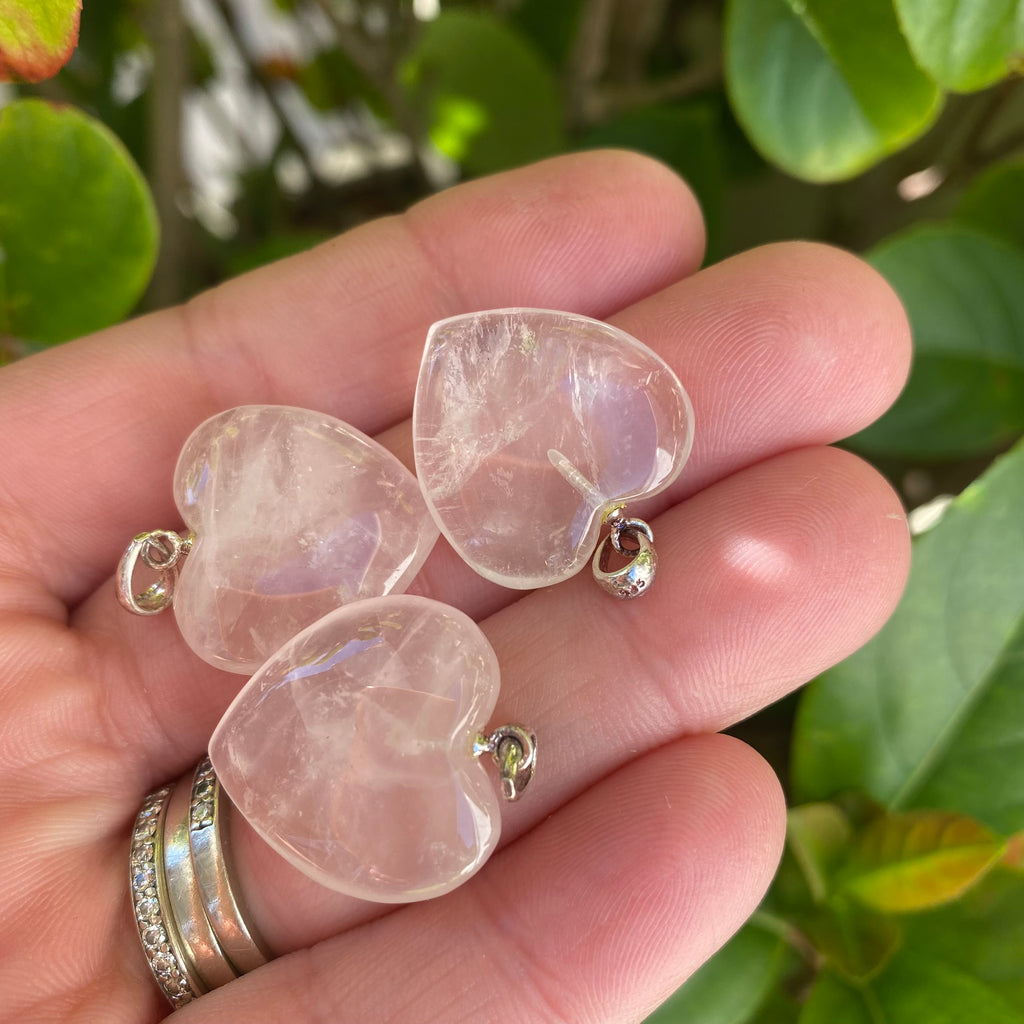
(162, 551)
(636, 576)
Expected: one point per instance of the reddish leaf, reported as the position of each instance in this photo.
(37, 37)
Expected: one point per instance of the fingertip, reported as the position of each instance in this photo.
(856, 308)
(734, 797)
(652, 192)
(610, 216)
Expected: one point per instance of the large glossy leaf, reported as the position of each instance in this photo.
(824, 88)
(916, 860)
(731, 987)
(930, 713)
(964, 44)
(36, 39)
(77, 223)
(962, 291)
(489, 97)
(994, 202)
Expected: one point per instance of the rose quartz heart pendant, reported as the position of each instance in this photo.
(353, 750)
(531, 428)
(293, 514)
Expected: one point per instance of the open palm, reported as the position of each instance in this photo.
(645, 839)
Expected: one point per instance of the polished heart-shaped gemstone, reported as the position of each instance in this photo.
(351, 751)
(530, 425)
(294, 513)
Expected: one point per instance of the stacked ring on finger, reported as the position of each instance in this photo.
(191, 923)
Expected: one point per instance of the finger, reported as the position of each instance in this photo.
(339, 329)
(767, 578)
(595, 916)
(783, 347)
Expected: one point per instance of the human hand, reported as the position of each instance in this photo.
(645, 840)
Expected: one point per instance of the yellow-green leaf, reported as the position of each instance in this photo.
(37, 37)
(917, 860)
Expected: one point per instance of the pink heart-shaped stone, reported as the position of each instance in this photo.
(530, 425)
(351, 750)
(295, 513)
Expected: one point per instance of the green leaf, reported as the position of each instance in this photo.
(488, 96)
(981, 934)
(918, 988)
(965, 44)
(824, 88)
(76, 221)
(779, 1008)
(551, 25)
(833, 1000)
(5, 326)
(994, 202)
(817, 835)
(962, 291)
(36, 39)
(732, 985)
(686, 136)
(961, 959)
(913, 861)
(912, 990)
(930, 713)
(854, 939)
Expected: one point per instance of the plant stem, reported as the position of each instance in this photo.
(789, 934)
(615, 100)
(170, 62)
(587, 59)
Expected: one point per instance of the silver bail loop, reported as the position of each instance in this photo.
(514, 750)
(162, 551)
(636, 577)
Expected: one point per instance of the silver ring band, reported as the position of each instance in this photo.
(157, 932)
(199, 944)
(211, 858)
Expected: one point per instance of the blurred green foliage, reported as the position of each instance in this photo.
(892, 127)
